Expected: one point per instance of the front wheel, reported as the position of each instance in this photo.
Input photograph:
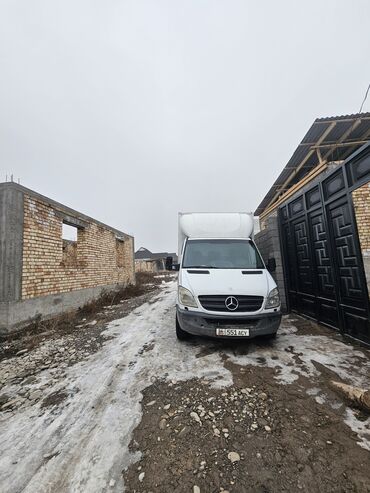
(270, 336)
(181, 334)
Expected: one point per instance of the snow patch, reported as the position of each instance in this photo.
(313, 391)
(320, 399)
(362, 428)
(294, 355)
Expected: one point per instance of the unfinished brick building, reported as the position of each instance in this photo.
(42, 273)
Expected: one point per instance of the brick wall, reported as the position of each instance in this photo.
(48, 268)
(361, 202)
(268, 243)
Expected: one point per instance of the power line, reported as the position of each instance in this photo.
(363, 102)
(335, 148)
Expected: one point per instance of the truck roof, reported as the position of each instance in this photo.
(215, 225)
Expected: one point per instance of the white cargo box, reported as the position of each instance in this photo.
(215, 225)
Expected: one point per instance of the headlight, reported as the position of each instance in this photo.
(186, 297)
(273, 299)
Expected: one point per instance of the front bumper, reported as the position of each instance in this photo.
(202, 324)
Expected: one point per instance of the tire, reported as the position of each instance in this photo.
(181, 334)
(270, 337)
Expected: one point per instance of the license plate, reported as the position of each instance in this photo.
(232, 332)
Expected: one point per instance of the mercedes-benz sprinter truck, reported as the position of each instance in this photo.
(224, 287)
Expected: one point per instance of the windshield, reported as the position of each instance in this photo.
(222, 254)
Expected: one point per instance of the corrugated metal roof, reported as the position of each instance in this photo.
(336, 137)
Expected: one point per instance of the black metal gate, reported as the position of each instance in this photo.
(323, 263)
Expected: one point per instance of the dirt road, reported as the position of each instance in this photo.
(129, 408)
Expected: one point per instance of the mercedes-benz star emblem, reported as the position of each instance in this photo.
(231, 303)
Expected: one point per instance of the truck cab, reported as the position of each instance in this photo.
(224, 287)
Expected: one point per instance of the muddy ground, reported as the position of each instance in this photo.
(255, 436)
(88, 321)
(107, 400)
(56, 344)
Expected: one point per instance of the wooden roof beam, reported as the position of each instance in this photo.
(365, 138)
(346, 134)
(304, 160)
(341, 144)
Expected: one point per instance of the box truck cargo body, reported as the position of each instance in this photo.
(224, 287)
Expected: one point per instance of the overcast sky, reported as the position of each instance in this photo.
(131, 111)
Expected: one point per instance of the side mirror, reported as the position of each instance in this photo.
(175, 266)
(271, 265)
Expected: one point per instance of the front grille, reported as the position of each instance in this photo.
(216, 303)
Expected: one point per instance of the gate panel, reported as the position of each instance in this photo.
(291, 267)
(353, 296)
(326, 309)
(305, 300)
(323, 263)
(303, 256)
(346, 256)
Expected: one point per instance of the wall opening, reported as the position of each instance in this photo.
(120, 249)
(69, 237)
(69, 232)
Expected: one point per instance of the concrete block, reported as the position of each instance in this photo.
(16, 315)
(11, 243)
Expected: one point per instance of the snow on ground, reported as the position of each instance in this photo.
(294, 356)
(82, 445)
(359, 427)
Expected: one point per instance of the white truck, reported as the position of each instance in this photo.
(224, 287)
